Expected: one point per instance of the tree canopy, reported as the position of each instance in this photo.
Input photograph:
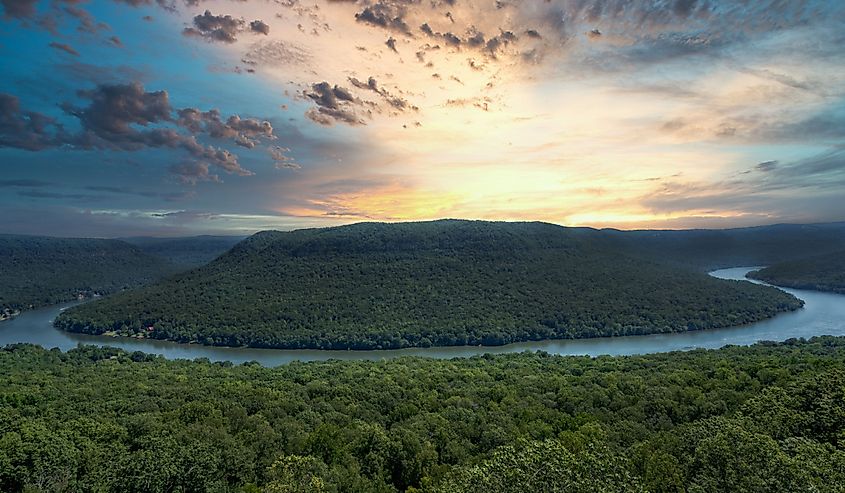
(374, 286)
(822, 273)
(770, 417)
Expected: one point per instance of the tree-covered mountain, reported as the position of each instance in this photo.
(376, 285)
(822, 273)
(185, 252)
(709, 249)
(37, 271)
(765, 418)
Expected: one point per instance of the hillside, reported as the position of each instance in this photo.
(185, 252)
(710, 249)
(822, 273)
(375, 285)
(765, 418)
(38, 271)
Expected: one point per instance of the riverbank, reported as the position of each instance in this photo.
(823, 314)
(8, 314)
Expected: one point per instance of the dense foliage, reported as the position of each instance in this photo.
(705, 250)
(375, 285)
(187, 252)
(37, 271)
(765, 418)
(822, 273)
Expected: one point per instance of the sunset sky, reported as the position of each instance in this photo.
(144, 117)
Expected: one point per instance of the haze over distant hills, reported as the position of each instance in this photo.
(37, 270)
(185, 252)
(450, 282)
(708, 249)
(819, 272)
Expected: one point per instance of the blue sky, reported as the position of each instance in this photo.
(138, 117)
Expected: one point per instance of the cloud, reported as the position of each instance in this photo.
(192, 172)
(385, 15)
(276, 53)
(820, 177)
(127, 117)
(259, 27)
(18, 8)
(24, 183)
(766, 166)
(281, 159)
(25, 129)
(246, 132)
(333, 104)
(222, 28)
(372, 85)
(64, 47)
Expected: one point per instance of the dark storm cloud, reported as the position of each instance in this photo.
(25, 129)
(222, 28)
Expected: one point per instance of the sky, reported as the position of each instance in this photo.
(182, 117)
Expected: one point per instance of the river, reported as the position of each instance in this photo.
(823, 314)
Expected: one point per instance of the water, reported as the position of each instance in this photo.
(823, 314)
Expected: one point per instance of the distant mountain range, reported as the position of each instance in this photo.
(453, 282)
(188, 252)
(819, 272)
(37, 270)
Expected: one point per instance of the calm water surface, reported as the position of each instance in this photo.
(823, 314)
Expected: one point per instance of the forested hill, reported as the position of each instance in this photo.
(185, 252)
(765, 418)
(375, 285)
(705, 250)
(37, 271)
(822, 273)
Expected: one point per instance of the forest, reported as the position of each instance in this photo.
(821, 273)
(710, 249)
(38, 271)
(379, 286)
(764, 418)
(185, 252)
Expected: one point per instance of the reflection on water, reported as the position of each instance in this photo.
(823, 314)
